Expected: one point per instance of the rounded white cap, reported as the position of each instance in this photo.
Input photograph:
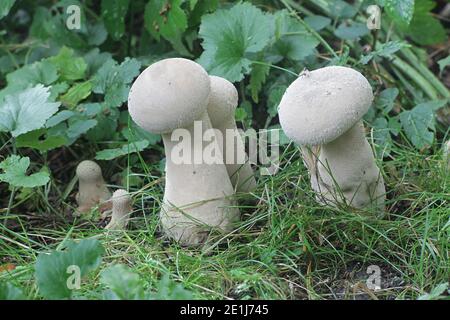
(88, 170)
(169, 94)
(322, 104)
(223, 100)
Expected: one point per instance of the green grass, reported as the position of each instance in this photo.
(286, 247)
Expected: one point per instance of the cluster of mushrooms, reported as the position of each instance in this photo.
(321, 111)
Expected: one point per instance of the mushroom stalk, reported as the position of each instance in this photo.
(197, 196)
(121, 210)
(346, 172)
(223, 101)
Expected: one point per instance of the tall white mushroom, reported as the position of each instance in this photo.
(121, 210)
(223, 101)
(324, 108)
(172, 94)
(92, 189)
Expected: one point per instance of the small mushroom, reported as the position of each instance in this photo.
(121, 210)
(171, 94)
(447, 154)
(92, 189)
(223, 101)
(322, 111)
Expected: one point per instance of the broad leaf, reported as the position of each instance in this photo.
(69, 67)
(114, 13)
(10, 292)
(165, 18)
(351, 30)
(109, 154)
(400, 11)
(26, 111)
(230, 36)
(15, 173)
(122, 283)
(5, 6)
(40, 140)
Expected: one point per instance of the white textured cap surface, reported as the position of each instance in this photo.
(323, 104)
(88, 170)
(223, 100)
(169, 94)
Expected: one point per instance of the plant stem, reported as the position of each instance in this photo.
(275, 67)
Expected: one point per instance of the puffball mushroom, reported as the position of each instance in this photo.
(223, 101)
(92, 187)
(324, 108)
(121, 210)
(172, 94)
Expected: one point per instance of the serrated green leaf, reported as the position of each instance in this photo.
(351, 30)
(41, 72)
(40, 140)
(69, 67)
(5, 7)
(80, 126)
(15, 170)
(123, 284)
(419, 123)
(114, 80)
(230, 35)
(26, 111)
(382, 137)
(113, 14)
(52, 273)
(400, 11)
(385, 50)
(386, 98)
(109, 154)
(77, 93)
(165, 18)
(10, 292)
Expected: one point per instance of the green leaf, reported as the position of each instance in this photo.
(443, 63)
(351, 30)
(230, 36)
(400, 11)
(386, 99)
(15, 170)
(274, 99)
(26, 111)
(109, 154)
(170, 290)
(318, 22)
(385, 50)
(5, 6)
(341, 9)
(52, 270)
(113, 14)
(437, 293)
(123, 284)
(419, 123)
(294, 41)
(382, 130)
(165, 18)
(40, 140)
(77, 93)
(114, 80)
(10, 292)
(70, 68)
(257, 79)
(424, 28)
(41, 72)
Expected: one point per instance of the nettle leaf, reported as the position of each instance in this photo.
(294, 41)
(114, 80)
(165, 18)
(52, 271)
(386, 99)
(382, 135)
(40, 140)
(257, 79)
(41, 72)
(424, 28)
(230, 36)
(15, 173)
(10, 292)
(419, 123)
(70, 68)
(109, 154)
(123, 284)
(385, 50)
(400, 11)
(351, 30)
(27, 110)
(5, 6)
(113, 14)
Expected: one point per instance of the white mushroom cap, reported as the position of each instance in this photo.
(223, 100)
(121, 199)
(322, 104)
(169, 94)
(88, 170)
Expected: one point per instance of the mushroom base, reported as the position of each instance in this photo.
(197, 197)
(344, 172)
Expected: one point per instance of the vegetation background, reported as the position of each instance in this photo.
(63, 100)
